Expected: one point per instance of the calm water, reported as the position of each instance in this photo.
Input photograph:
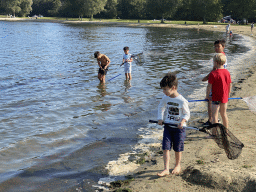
(59, 127)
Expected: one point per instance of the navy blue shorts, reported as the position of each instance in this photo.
(174, 137)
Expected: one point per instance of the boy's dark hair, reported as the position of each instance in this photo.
(96, 54)
(126, 48)
(220, 41)
(169, 80)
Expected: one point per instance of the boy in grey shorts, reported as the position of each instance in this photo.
(178, 113)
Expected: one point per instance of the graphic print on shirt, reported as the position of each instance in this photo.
(173, 111)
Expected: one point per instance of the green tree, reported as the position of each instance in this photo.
(46, 7)
(92, 7)
(13, 6)
(138, 8)
(26, 7)
(206, 10)
(110, 10)
(242, 9)
(162, 8)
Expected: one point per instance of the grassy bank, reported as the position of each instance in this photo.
(118, 20)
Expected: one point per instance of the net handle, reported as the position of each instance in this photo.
(114, 77)
(134, 55)
(175, 125)
(208, 100)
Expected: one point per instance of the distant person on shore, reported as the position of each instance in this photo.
(175, 106)
(227, 28)
(219, 46)
(230, 35)
(219, 84)
(127, 62)
(252, 26)
(103, 62)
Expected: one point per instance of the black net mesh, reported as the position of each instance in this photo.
(226, 140)
(139, 59)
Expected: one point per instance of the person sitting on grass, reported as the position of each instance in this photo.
(177, 112)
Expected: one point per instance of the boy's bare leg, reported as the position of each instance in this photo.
(127, 76)
(177, 167)
(130, 76)
(210, 111)
(223, 113)
(166, 157)
(215, 113)
(101, 78)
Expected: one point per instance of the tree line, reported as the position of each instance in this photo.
(193, 10)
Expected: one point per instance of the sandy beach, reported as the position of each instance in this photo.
(205, 167)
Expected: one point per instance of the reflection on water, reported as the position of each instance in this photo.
(102, 89)
(127, 85)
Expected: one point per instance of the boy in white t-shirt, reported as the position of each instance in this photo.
(175, 106)
(127, 62)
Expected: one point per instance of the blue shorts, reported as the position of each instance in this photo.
(174, 137)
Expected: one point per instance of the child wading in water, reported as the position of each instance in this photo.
(127, 62)
(103, 62)
(177, 112)
(220, 84)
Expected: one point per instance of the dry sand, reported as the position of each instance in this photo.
(217, 172)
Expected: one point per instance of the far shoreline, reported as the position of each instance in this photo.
(236, 29)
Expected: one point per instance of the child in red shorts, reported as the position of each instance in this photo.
(220, 84)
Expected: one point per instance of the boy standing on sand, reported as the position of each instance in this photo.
(219, 46)
(127, 62)
(220, 84)
(103, 62)
(177, 112)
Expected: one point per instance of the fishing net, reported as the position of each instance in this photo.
(251, 102)
(139, 59)
(222, 136)
(225, 140)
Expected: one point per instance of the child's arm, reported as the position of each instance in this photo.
(180, 125)
(186, 115)
(108, 62)
(99, 63)
(230, 87)
(161, 110)
(208, 90)
(206, 77)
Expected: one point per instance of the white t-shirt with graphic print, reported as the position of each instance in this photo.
(173, 110)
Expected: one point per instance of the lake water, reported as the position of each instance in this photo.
(61, 129)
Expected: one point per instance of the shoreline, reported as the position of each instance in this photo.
(205, 167)
(236, 29)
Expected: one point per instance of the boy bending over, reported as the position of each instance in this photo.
(220, 84)
(103, 62)
(177, 112)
